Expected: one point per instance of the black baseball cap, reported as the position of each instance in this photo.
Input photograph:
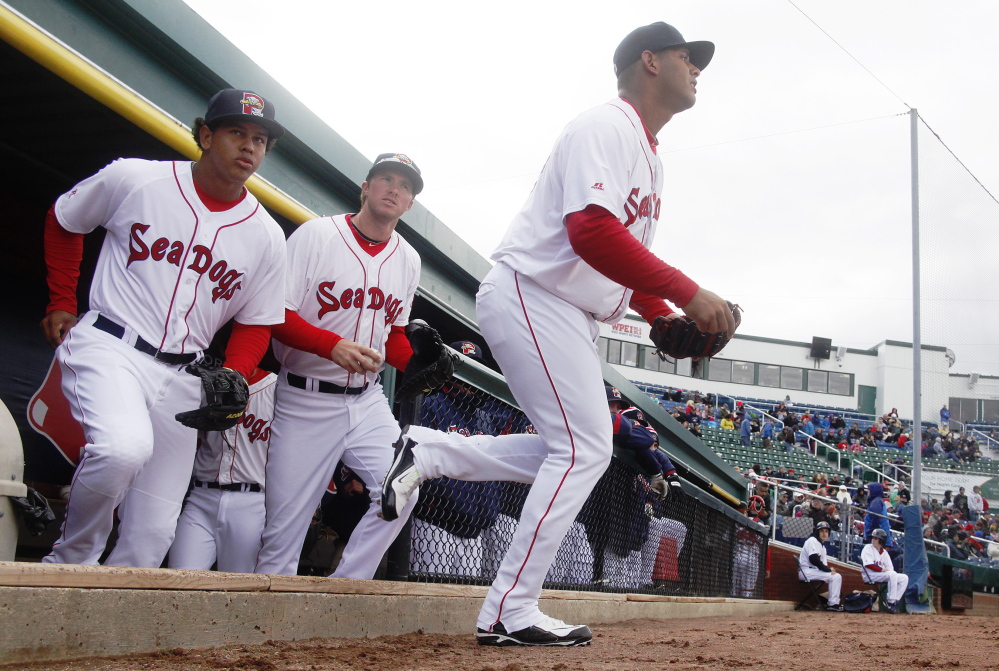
(656, 37)
(400, 162)
(240, 105)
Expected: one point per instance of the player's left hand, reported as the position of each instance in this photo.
(674, 488)
(711, 313)
(56, 325)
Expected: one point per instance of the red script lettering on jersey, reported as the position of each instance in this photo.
(329, 301)
(225, 278)
(256, 429)
(635, 209)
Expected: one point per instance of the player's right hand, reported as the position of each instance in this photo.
(56, 325)
(355, 358)
(711, 313)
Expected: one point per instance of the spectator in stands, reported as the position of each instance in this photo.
(961, 503)
(727, 423)
(843, 494)
(763, 491)
(839, 423)
(876, 517)
(785, 508)
(946, 499)
(944, 418)
(808, 427)
(817, 508)
(787, 435)
(745, 431)
(976, 504)
(957, 542)
(813, 565)
(878, 567)
(693, 428)
(767, 434)
(787, 401)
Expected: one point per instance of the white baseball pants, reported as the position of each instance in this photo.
(834, 580)
(897, 582)
(310, 433)
(138, 458)
(547, 350)
(218, 526)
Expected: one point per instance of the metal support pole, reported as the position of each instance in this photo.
(917, 344)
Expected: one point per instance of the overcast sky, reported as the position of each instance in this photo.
(787, 184)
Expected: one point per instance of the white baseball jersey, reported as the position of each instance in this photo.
(811, 547)
(171, 269)
(602, 158)
(870, 556)
(242, 456)
(336, 285)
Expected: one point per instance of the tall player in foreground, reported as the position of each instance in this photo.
(351, 282)
(187, 249)
(577, 254)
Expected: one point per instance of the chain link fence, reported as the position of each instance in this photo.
(625, 539)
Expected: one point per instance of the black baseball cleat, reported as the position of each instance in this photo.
(402, 481)
(838, 608)
(547, 632)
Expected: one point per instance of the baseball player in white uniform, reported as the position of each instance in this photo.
(813, 565)
(570, 259)
(223, 516)
(351, 282)
(878, 567)
(187, 249)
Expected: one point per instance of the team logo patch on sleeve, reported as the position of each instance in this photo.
(252, 104)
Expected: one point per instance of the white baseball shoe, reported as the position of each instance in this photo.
(402, 482)
(547, 632)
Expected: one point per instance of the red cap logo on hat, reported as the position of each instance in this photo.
(467, 348)
(252, 104)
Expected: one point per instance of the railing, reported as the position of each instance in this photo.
(868, 467)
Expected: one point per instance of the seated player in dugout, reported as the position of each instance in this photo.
(187, 249)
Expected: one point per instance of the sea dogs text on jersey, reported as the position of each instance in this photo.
(354, 298)
(635, 209)
(225, 278)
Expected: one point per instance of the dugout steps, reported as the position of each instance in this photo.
(61, 611)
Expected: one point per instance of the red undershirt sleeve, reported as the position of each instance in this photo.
(246, 347)
(300, 334)
(63, 255)
(397, 348)
(599, 238)
(649, 307)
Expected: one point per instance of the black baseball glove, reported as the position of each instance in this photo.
(432, 363)
(35, 511)
(680, 338)
(226, 396)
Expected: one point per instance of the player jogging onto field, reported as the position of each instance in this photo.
(187, 249)
(351, 282)
(577, 254)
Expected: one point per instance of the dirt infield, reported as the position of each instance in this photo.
(825, 641)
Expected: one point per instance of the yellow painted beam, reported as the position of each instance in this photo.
(62, 61)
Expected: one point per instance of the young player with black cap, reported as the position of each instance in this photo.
(187, 249)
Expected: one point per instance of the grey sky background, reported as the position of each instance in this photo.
(787, 184)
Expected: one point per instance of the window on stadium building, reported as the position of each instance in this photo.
(743, 372)
(841, 383)
(769, 375)
(746, 372)
(720, 370)
(791, 378)
(818, 380)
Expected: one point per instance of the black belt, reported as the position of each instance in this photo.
(233, 487)
(118, 331)
(300, 382)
